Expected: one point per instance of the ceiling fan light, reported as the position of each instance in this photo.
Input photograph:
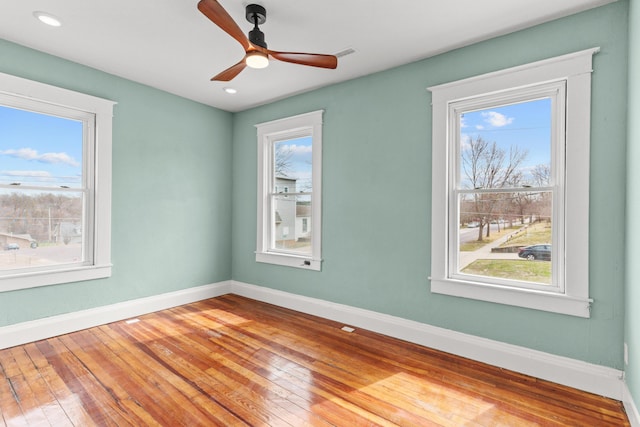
(257, 60)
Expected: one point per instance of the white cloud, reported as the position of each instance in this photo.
(496, 119)
(22, 153)
(35, 174)
(297, 149)
(31, 154)
(465, 141)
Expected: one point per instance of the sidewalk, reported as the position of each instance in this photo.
(484, 252)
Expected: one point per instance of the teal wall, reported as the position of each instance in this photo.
(176, 161)
(171, 191)
(632, 296)
(377, 192)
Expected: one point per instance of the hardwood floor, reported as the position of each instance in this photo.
(231, 361)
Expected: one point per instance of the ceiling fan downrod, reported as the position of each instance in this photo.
(257, 15)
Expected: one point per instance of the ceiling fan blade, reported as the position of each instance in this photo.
(216, 13)
(312, 59)
(230, 72)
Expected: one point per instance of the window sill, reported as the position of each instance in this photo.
(537, 300)
(45, 278)
(289, 260)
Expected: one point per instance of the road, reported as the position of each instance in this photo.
(44, 255)
(471, 234)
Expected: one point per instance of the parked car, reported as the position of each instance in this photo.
(533, 252)
(12, 247)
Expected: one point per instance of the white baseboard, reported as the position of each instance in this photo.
(585, 376)
(630, 408)
(48, 327)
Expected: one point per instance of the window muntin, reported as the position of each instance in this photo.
(568, 186)
(55, 185)
(289, 180)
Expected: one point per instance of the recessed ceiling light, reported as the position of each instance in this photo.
(230, 90)
(47, 18)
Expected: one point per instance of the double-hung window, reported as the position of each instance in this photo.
(511, 186)
(289, 190)
(55, 185)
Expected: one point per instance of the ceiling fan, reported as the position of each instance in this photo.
(256, 53)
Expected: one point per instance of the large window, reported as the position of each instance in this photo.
(510, 186)
(55, 172)
(289, 180)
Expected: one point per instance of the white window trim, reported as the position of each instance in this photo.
(575, 69)
(103, 111)
(268, 133)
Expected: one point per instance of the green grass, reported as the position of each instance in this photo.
(530, 271)
(539, 232)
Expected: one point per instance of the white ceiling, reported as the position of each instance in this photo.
(170, 45)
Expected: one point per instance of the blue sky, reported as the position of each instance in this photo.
(527, 125)
(38, 149)
(300, 160)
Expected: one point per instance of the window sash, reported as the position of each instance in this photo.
(455, 267)
(555, 91)
(269, 134)
(291, 197)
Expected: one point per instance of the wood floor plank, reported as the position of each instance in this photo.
(342, 412)
(374, 374)
(374, 404)
(231, 361)
(483, 385)
(73, 411)
(180, 362)
(40, 391)
(182, 404)
(95, 400)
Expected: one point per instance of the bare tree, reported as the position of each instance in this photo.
(488, 166)
(282, 160)
(541, 175)
(541, 178)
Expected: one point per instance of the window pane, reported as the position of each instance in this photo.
(506, 235)
(39, 149)
(291, 222)
(501, 232)
(506, 146)
(40, 228)
(292, 166)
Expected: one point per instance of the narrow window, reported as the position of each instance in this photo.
(289, 179)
